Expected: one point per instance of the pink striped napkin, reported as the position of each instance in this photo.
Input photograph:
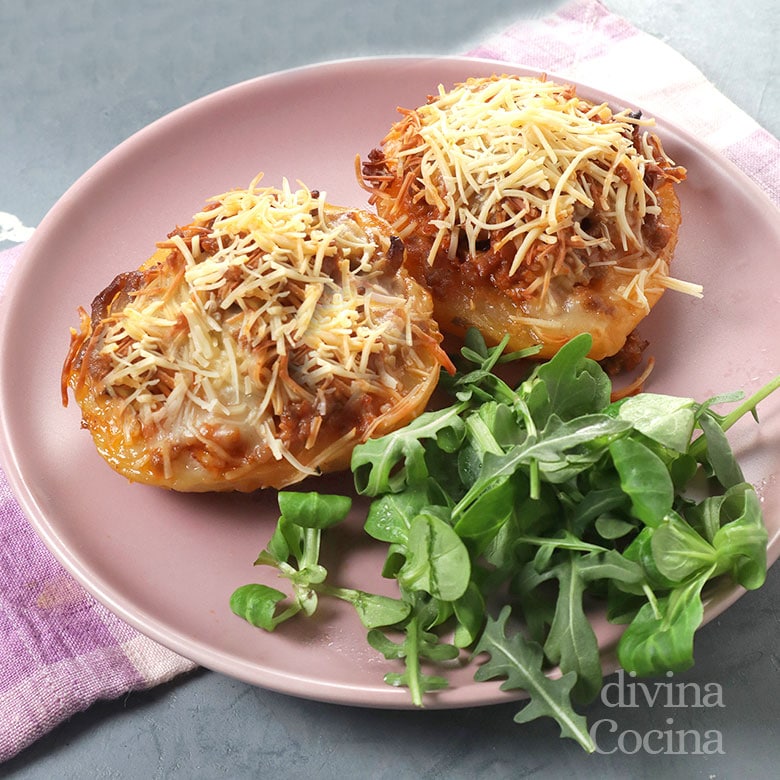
(59, 649)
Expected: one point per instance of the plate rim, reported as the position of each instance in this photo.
(150, 626)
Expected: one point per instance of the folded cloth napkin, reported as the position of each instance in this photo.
(60, 650)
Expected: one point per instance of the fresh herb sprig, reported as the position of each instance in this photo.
(536, 499)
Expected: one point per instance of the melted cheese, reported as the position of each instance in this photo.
(525, 157)
(288, 308)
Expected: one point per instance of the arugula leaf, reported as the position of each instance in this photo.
(609, 565)
(726, 421)
(607, 503)
(521, 663)
(561, 451)
(569, 385)
(392, 462)
(417, 644)
(571, 643)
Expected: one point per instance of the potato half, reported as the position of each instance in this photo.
(257, 346)
(529, 211)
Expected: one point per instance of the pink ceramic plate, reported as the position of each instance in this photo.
(167, 563)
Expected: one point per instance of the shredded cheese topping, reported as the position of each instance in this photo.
(524, 163)
(271, 306)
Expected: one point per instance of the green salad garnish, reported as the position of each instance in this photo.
(509, 511)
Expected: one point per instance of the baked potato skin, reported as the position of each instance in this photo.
(224, 450)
